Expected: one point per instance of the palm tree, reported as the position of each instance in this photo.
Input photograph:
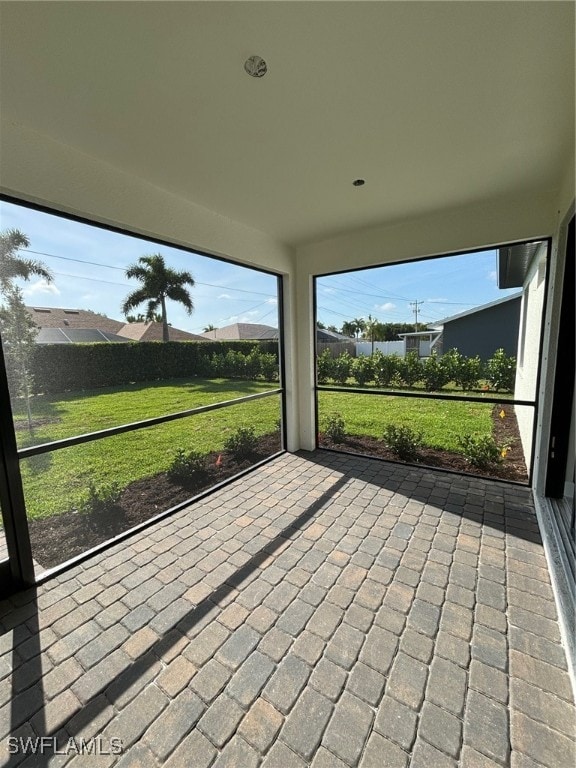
(360, 324)
(210, 328)
(349, 329)
(12, 266)
(159, 283)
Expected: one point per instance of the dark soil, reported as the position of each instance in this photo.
(504, 431)
(61, 537)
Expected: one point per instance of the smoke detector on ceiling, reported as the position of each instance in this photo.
(255, 66)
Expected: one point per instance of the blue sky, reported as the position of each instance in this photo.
(441, 286)
(88, 264)
(224, 293)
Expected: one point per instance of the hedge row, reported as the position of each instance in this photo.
(433, 372)
(62, 367)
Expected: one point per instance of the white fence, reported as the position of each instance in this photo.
(386, 347)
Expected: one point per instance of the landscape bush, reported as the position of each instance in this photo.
(501, 371)
(386, 368)
(362, 370)
(187, 466)
(324, 366)
(242, 443)
(335, 428)
(435, 373)
(410, 369)
(342, 368)
(403, 441)
(464, 371)
(482, 452)
(65, 367)
(100, 499)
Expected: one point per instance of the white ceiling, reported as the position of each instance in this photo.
(435, 104)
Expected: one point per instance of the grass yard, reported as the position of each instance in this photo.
(55, 482)
(441, 421)
(73, 413)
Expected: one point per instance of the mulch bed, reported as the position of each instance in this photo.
(504, 431)
(61, 537)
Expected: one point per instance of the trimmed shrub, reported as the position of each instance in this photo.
(187, 466)
(466, 372)
(99, 499)
(386, 368)
(410, 369)
(324, 367)
(501, 371)
(482, 452)
(403, 441)
(435, 373)
(242, 443)
(335, 428)
(62, 367)
(362, 370)
(342, 368)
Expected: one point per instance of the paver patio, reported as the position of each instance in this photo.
(323, 611)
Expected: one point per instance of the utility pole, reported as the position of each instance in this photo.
(416, 304)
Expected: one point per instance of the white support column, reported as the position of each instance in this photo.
(304, 357)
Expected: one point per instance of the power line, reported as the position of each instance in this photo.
(123, 269)
(415, 305)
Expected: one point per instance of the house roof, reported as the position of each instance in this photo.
(59, 317)
(514, 262)
(427, 332)
(323, 334)
(153, 332)
(503, 300)
(243, 331)
(76, 336)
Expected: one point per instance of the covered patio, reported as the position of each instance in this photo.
(325, 611)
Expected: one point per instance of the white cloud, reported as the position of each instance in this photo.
(492, 276)
(386, 307)
(272, 301)
(224, 296)
(39, 287)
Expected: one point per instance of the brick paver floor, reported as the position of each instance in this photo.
(323, 611)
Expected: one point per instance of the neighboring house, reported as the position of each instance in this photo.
(81, 326)
(483, 330)
(243, 332)
(153, 332)
(423, 342)
(331, 337)
(75, 336)
(57, 317)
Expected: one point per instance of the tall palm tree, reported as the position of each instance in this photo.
(12, 265)
(159, 283)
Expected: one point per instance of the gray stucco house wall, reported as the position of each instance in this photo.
(484, 331)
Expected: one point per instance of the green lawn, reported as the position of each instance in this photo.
(448, 389)
(441, 421)
(56, 481)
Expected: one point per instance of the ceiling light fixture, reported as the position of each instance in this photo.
(359, 182)
(255, 66)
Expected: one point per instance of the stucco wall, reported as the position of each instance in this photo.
(528, 357)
